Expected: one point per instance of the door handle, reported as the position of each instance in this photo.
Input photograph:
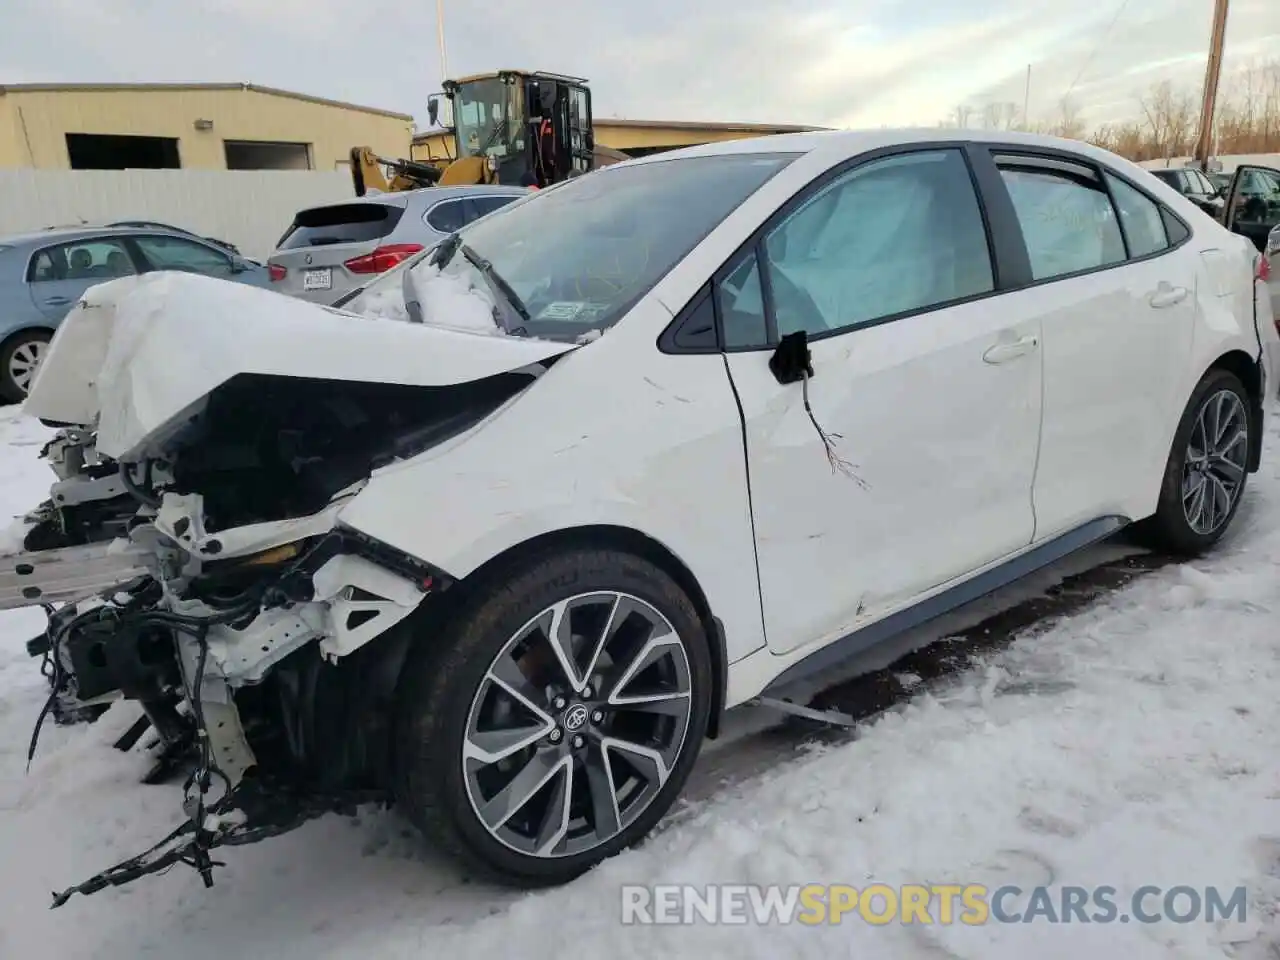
(1167, 296)
(1008, 350)
(58, 301)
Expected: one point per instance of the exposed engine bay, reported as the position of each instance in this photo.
(211, 581)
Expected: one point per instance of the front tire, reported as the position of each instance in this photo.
(556, 718)
(1207, 469)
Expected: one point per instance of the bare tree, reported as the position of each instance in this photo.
(1247, 118)
(1000, 116)
(1170, 117)
(1068, 122)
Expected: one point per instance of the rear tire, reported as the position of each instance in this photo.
(1206, 473)
(19, 360)
(531, 768)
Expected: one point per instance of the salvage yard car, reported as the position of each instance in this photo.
(329, 250)
(501, 535)
(1253, 211)
(43, 274)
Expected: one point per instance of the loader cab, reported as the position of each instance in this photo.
(527, 126)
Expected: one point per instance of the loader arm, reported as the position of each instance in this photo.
(366, 173)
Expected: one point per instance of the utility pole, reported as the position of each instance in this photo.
(1212, 73)
(1026, 102)
(444, 62)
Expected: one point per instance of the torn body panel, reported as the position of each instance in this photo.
(140, 355)
(194, 529)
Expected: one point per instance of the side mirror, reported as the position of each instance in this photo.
(1273, 242)
(433, 110)
(239, 264)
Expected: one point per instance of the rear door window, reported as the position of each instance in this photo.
(341, 223)
(92, 260)
(1140, 217)
(1067, 219)
(448, 216)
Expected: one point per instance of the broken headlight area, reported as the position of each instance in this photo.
(210, 581)
(258, 449)
(255, 672)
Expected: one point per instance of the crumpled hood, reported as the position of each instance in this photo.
(136, 354)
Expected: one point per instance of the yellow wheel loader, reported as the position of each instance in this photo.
(516, 127)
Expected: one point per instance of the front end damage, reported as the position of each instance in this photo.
(201, 567)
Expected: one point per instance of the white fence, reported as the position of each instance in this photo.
(250, 208)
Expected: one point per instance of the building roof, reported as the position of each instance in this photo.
(168, 87)
(599, 122)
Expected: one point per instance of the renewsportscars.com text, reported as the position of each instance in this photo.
(944, 904)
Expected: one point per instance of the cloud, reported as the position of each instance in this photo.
(836, 62)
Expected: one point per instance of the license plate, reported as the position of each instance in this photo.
(317, 279)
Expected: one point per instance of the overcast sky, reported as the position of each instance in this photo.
(842, 63)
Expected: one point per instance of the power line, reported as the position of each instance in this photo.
(1096, 47)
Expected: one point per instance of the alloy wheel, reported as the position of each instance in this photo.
(24, 361)
(1216, 462)
(577, 724)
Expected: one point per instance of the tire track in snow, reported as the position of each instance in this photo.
(724, 767)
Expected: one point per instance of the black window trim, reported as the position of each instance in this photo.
(1054, 154)
(755, 242)
(142, 263)
(1006, 245)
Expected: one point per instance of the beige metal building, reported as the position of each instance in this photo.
(205, 126)
(634, 137)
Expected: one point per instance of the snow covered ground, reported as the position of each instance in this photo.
(1131, 744)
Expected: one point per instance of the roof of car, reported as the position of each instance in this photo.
(860, 141)
(400, 197)
(68, 234)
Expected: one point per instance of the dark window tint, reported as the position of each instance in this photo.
(448, 216)
(893, 236)
(1067, 219)
(342, 223)
(1174, 228)
(1257, 204)
(91, 260)
(1140, 217)
(486, 205)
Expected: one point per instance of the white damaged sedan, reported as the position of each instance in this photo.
(499, 537)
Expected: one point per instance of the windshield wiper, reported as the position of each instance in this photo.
(495, 280)
(444, 252)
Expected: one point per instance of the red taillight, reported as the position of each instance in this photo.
(1264, 270)
(384, 258)
(276, 272)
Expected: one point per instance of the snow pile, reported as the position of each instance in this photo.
(384, 301)
(449, 300)
(24, 479)
(1130, 744)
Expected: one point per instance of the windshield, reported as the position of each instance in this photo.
(486, 114)
(574, 258)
